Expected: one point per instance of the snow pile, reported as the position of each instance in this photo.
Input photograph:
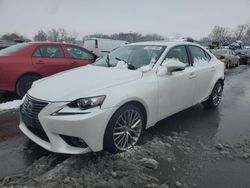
(121, 65)
(200, 62)
(145, 68)
(171, 61)
(10, 105)
(133, 168)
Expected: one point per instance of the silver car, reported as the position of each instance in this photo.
(227, 56)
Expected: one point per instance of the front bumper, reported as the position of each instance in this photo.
(90, 127)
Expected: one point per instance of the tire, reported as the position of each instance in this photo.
(237, 64)
(124, 129)
(215, 97)
(24, 84)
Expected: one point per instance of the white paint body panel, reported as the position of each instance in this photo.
(161, 96)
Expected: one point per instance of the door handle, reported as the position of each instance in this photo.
(40, 62)
(192, 75)
(213, 68)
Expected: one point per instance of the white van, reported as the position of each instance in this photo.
(101, 46)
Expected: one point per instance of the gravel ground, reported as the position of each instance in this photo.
(137, 167)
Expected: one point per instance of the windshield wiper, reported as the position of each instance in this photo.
(130, 66)
(107, 61)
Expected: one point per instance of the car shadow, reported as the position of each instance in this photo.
(8, 96)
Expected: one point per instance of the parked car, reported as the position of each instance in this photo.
(244, 55)
(24, 63)
(4, 44)
(101, 46)
(108, 104)
(227, 56)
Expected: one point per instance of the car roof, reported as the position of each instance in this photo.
(220, 49)
(48, 42)
(164, 43)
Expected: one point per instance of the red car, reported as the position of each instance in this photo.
(24, 63)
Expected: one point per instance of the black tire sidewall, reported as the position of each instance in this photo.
(210, 103)
(108, 142)
(20, 87)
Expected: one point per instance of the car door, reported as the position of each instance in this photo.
(205, 70)
(49, 59)
(236, 57)
(233, 57)
(176, 90)
(78, 56)
(230, 57)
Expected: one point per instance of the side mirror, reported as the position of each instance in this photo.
(170, 65)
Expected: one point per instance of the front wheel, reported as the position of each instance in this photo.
(215, 97)
(124, 129)
(24, 84)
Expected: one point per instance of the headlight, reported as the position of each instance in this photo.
(86, 103)
(77, 106)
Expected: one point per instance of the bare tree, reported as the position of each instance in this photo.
(130, 37)
(220, 34)
(53, 35)
(240, 31)
(62, 35)
(176, 36)
(246, 37)
(40, 36)
(205, 41)
(11, 37)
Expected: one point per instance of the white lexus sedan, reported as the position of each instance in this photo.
(108, 104)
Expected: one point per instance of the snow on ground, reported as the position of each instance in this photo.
(140, 166)
(10, 105)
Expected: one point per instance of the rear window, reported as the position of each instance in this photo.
(13, 49)
(49, 51)
(220, 52)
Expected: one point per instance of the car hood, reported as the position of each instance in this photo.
(80, 82)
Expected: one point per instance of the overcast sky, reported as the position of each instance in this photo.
(194, 18)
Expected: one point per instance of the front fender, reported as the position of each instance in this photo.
(144, 91)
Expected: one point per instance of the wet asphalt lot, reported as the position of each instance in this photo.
(229, 125)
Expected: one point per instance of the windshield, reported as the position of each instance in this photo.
(12, 49)
(135, 56)
(220, 52)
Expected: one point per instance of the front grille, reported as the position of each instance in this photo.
(30, 109)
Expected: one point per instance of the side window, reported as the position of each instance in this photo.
(199, 55)
(37, 53)
(49, 52)
(178, 53)
(78, 53)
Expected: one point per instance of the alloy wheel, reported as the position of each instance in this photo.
(127, 129)
(217, 94)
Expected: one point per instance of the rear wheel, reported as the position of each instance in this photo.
(124, 129)
(215, 97)
(238, 63)
(24, 84)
